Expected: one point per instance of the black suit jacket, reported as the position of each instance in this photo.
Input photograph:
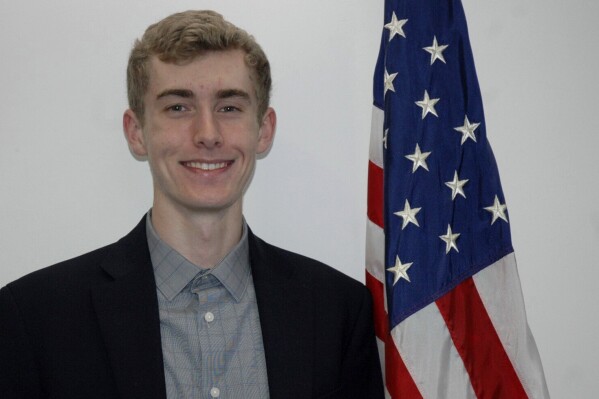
(89, 327)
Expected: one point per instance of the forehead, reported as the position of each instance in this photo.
(210, 71)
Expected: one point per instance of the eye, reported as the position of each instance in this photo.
(176, 108)
(229, 108)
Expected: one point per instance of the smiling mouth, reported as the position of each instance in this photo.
(207, 165)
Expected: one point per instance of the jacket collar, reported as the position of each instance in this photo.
(127, 312)
(285, 307)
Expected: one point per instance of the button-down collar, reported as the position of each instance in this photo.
(173, 272)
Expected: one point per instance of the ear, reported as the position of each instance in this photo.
(266, 134)
(133, 134)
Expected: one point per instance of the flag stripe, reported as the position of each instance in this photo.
(375, 194)
(491, 372)
(399, 381)
(427, 349)
(381, 322)
(376, 136)
(500, 291)
(375, 251)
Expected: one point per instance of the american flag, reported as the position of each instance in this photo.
(449, 311)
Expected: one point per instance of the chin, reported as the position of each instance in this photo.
(209, 204)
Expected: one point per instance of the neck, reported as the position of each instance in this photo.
(203, 238)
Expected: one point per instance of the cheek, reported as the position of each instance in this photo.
(161, 156)
(162, 144)
(251, 148)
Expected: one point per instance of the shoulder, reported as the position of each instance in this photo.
(79, 273)
(313, 274)
(61, 279)
(54, 302)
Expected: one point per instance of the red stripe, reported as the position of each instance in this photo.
(381, 321)
(491, 372)
(375, 194)
(399, 382)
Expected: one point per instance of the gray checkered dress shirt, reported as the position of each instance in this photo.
(211, 336)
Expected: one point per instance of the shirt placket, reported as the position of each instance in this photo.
(211, 339)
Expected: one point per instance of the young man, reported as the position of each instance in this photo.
(191, 304)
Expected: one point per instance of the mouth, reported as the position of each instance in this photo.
(206, 166)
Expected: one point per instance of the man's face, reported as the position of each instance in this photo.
(200, 133)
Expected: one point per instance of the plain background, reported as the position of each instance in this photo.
(68, 183)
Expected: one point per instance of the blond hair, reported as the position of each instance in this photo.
(181, 37)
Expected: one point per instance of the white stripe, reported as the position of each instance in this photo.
(376, 136)
(499, 288)
(426, 347)
(381, 346)
(375, 251)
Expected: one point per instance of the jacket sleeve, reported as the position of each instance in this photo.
(18, 370)
(361, 364)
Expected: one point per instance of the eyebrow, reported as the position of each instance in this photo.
(221, 94)
(175, 92)
(229, 93)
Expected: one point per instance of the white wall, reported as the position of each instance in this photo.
(68, 183)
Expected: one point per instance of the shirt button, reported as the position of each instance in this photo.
(209, 317)
(215, 392)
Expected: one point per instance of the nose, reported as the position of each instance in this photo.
(206, 131)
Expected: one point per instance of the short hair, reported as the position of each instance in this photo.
(183, 36)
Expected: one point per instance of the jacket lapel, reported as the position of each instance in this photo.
(285, 308)
(127, 312)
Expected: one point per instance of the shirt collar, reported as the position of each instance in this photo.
(173, 272)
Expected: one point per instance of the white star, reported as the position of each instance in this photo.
(450, 240)
(428, 105)
(396, 26)
(498, 210)
(385, 138)
(456, 186)
(467, 130)
(389, 82)
(400, 270)
(408, 214)
(419, 158)
(436, 51)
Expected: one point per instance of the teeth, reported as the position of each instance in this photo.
(205, 165)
